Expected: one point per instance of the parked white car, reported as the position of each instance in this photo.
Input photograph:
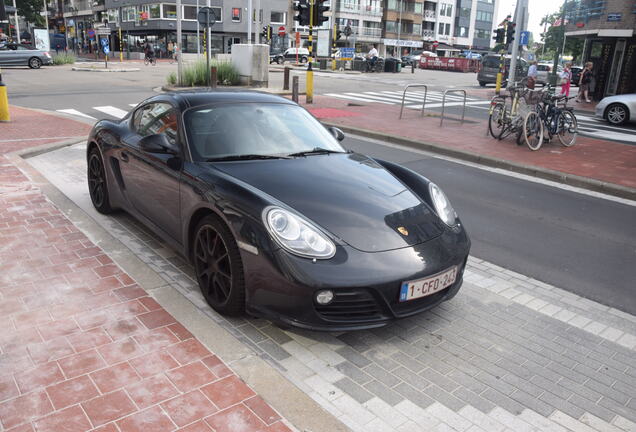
(544, 70)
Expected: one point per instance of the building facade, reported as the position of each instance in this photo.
(608, 29)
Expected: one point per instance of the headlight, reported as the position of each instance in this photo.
(442, 205)
(298, 235)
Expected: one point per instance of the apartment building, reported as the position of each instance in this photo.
(364, 17)
(607, 28)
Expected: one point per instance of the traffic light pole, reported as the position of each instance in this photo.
(515, 46)
(502, 60)
(310, 73)
(335, 36)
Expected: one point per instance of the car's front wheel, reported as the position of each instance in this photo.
(97, 187)
(35, 63)
(218, 266)
(279, 60)
(482, 83)
(617, 114)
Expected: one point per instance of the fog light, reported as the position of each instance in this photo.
(324, 297)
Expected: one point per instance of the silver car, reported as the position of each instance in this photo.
(23, 55)
(617, 109)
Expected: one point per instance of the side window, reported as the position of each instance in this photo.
(157, 118)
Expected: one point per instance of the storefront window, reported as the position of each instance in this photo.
(236, 14)
(169, 11)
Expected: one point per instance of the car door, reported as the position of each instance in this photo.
(8, 55)
(23, 54)
(153, 179)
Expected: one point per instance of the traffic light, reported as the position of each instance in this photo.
(303, 16)
(264, 32)
(510, 33)
(499, 36)
(319, 12)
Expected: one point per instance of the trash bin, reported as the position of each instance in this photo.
(323, 64)
(398, 65)
(390, 65)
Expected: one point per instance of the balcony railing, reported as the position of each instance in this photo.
(431, 14)
(360, 9)
(428, 33)
(369, 32)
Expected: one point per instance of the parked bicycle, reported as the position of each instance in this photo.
(551, 117)
(503, 120)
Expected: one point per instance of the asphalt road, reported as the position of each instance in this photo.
(583, 244)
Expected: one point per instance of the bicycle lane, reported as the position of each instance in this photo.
(591, 163)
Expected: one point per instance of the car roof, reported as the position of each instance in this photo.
(193, 98)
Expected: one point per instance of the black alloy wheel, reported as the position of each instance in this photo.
(35, 63)
(218, 266)
(97, 187)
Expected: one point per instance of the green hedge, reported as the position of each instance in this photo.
(64, 58)
(196, 74)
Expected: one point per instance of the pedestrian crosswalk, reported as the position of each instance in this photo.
(598, 128)
(412, 99)
(109, 110)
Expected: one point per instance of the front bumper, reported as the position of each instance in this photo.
(282, 287)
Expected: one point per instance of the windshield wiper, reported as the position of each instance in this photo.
(314, 151)
(245, 157)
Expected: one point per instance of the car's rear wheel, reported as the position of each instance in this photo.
(218, 266)
(97, 187)
(35, 63)
(279, 60)
(482, 83)
(617, 114)
(303, 59)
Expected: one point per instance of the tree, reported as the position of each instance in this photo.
(552, 38)
(30, 10)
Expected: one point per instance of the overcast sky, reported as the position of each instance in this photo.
(537, 10)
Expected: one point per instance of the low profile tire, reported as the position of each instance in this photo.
(482, 83)
(97, 187)
(35, 63)
(617, 114)
(218, 266)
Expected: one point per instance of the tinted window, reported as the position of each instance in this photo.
(157, 118)
(248, 128)
(492, 62)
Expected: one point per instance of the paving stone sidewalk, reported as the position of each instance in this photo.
(509, 353)
(83, 347)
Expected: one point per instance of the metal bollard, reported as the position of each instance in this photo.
(286, 78)
(413, 67)
(295, 89)
(213, 76)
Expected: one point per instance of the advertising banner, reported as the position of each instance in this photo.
(42, 41)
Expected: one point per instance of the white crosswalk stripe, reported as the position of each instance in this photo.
(112, 111)
(411, 97)
(76, 113)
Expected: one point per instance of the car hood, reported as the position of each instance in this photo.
(349, 195)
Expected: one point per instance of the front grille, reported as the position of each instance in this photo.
(356, 305)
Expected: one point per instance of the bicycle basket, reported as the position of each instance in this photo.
(533, 97)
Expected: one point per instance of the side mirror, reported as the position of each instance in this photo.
(158, 143)
(337, 133)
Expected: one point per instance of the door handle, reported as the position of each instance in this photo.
(124, 156)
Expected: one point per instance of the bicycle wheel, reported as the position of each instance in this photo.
(533, 131)
(146, 61)
(568, 129)
(153, 61)
(495, 120)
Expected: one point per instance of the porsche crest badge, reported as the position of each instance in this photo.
(403, 231)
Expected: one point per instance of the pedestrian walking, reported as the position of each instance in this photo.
(566, 79)
(57, 49)
(585, 82)
(170, 49)
(532, 75)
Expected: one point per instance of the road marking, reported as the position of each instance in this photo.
(133, 105)
(112, 111)
(356, 98)
(76, 113)
(500, 171)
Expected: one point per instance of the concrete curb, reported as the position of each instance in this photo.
(531, 170)
(87, 69)
(297, 407)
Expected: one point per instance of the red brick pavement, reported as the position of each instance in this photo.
(601, 160)
(82, 346)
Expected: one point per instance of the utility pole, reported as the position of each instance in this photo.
(309, 90)
(399, 30)
(198, 37)
(257, 15)
(515, 44)
(249, 22)
(179, 48)
(17, 24)
(557, 55)
(208, 45)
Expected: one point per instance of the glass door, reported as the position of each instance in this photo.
(615, 71)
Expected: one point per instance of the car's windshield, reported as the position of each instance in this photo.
(254, 129)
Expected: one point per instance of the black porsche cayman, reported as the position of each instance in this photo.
(277, 218)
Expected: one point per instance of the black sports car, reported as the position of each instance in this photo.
(277, 218)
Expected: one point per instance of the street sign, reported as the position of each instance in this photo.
(206, 17)
(281, 31)
(90, 33)
(524, 38)
(347, 53)
(614, 16)
(105, 46)
(103, 31)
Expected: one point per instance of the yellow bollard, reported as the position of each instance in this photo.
(498, 86)
(4, 102)
(309, 96)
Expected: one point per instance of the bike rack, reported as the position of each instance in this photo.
(404, 96)
(441, 120)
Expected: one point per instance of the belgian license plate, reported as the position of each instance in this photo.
(424, 287)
